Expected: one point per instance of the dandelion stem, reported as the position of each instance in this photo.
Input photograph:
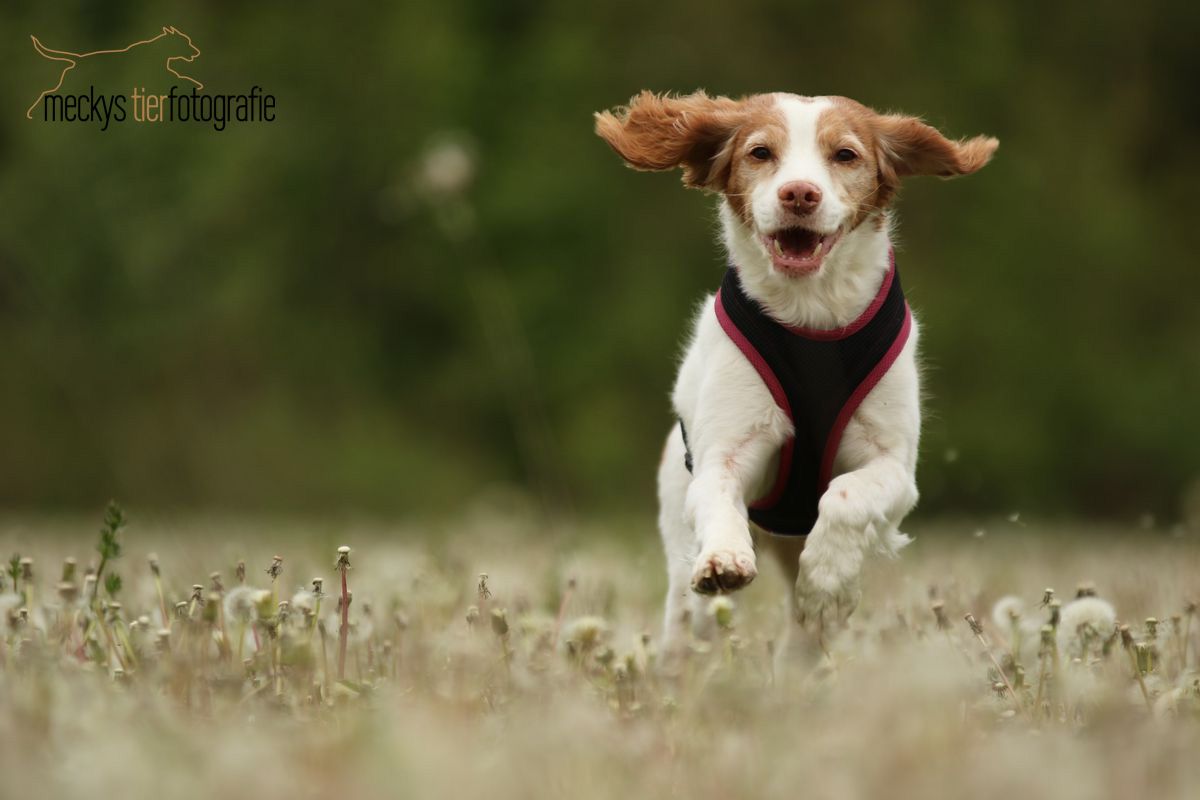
(977, 629)
(113, 650)
(324, 656)
(343, 566)
(1189, 612)
(276, 658)
(562, 610)
(1127, 642)
(162, 600)
(1042, 672)
(226, 651)
(1044, 654)
(126, 646)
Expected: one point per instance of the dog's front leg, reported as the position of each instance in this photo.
(858, 511)
(727, 468)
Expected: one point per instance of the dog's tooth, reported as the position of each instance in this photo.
(817, 251)
(778, 247)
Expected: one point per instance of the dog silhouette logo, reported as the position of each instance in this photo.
(173, 43)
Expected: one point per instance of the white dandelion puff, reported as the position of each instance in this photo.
(240, 602)
(304, 600)
(1084, 624)
(1007, 610)
(586, 632)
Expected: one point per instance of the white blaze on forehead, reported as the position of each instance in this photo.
(802, 115)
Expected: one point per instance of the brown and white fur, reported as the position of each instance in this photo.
(805, 184)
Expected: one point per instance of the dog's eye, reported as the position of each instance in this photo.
(761, 153)
(845, 155)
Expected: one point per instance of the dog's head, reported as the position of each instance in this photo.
(798, 173)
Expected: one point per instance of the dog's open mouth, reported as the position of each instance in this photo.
(799, 251)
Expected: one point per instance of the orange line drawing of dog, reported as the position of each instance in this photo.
(71, 59)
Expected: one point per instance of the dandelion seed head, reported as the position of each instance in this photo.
(1095, 612)
(239, 603)
(304, 601)
(586, 632)
(1006, 611)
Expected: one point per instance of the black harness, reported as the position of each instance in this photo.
(818, 378)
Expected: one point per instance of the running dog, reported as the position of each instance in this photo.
(798, 397)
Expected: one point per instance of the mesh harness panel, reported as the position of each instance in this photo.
(818, 378)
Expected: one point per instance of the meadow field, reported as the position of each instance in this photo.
(426, 315)
(487, 657)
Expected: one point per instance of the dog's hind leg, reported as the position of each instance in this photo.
(680, 546)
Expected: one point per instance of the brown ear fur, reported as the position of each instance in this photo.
(659, 132)
(910, 147)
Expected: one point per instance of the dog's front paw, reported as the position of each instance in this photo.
(723, 570)
(827, 587)
(825, 610)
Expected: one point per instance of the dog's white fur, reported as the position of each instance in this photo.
(735, 429)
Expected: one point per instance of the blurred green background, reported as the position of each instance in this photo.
(428, 281)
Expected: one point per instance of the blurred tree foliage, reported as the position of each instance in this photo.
(285, 315)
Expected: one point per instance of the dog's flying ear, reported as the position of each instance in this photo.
(659, 132)
(910, 147)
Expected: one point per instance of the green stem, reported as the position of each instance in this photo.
(99, 576)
